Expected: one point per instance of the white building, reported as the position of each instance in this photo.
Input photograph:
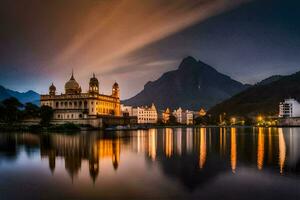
(179, 115)
(126, 110)
(145, 115)
(184, 117)
(289, 108)
(189, 117)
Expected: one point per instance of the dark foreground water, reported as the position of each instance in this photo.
(206, 163)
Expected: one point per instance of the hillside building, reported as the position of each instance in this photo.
(184, 117)
(289, 108)
(145, 115)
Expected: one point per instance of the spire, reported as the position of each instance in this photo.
(93, 75)
(72, 77)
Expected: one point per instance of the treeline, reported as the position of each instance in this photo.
(12, 111)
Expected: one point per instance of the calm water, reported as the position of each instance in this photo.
(211, 163)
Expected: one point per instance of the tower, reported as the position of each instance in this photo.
(116, 90)
(94, 85)
(52, 89)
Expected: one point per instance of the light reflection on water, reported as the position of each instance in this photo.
(157, 163)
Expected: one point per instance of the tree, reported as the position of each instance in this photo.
(10, 110)
(46, 114)
(172, 120)
(31, 110)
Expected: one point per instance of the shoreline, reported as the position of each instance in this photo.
(17, 127)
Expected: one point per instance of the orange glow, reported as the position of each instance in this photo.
(260, 149)
(110, 149)
(270, 145)
(282, 150)
(221, 140)
(141, 141)
(203, 152)
(169, 142)
(233, 155)
(152, 139)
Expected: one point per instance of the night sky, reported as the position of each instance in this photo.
(134, 41)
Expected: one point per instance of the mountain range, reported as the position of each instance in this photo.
(262, 98)
(23, 97)
(192, 86)
(196, 85)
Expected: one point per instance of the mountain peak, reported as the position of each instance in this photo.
(188, 62)
(193, 85)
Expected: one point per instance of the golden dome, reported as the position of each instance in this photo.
(72, 87)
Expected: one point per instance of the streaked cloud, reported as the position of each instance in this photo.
(51, 37)
(113, 29)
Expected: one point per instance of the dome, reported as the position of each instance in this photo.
(94, 81)
(115, 85)
(52, 87)
(72, 87)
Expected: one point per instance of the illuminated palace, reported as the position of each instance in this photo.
(76, 106)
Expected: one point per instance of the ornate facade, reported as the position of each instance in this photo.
(74, 104)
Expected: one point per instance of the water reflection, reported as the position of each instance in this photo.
(191, 155)
(260, 149)
(233, 154)
(202, 158)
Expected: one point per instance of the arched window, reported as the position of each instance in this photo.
(56, 104)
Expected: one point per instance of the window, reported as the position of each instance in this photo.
(56, 104)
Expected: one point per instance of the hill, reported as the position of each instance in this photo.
(263, 98)
(193, 85)
(23, 97)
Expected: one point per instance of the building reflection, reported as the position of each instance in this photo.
(282, 150)
(197, 152)
(152, 138)
(202, 157)
(233, 154)
(260, 148)
(169, 142)
(74, 149)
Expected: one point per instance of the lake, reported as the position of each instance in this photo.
(179, 163)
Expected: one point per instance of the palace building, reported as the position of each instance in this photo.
(77, 105)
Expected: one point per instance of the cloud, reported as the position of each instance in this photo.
(113, 29)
